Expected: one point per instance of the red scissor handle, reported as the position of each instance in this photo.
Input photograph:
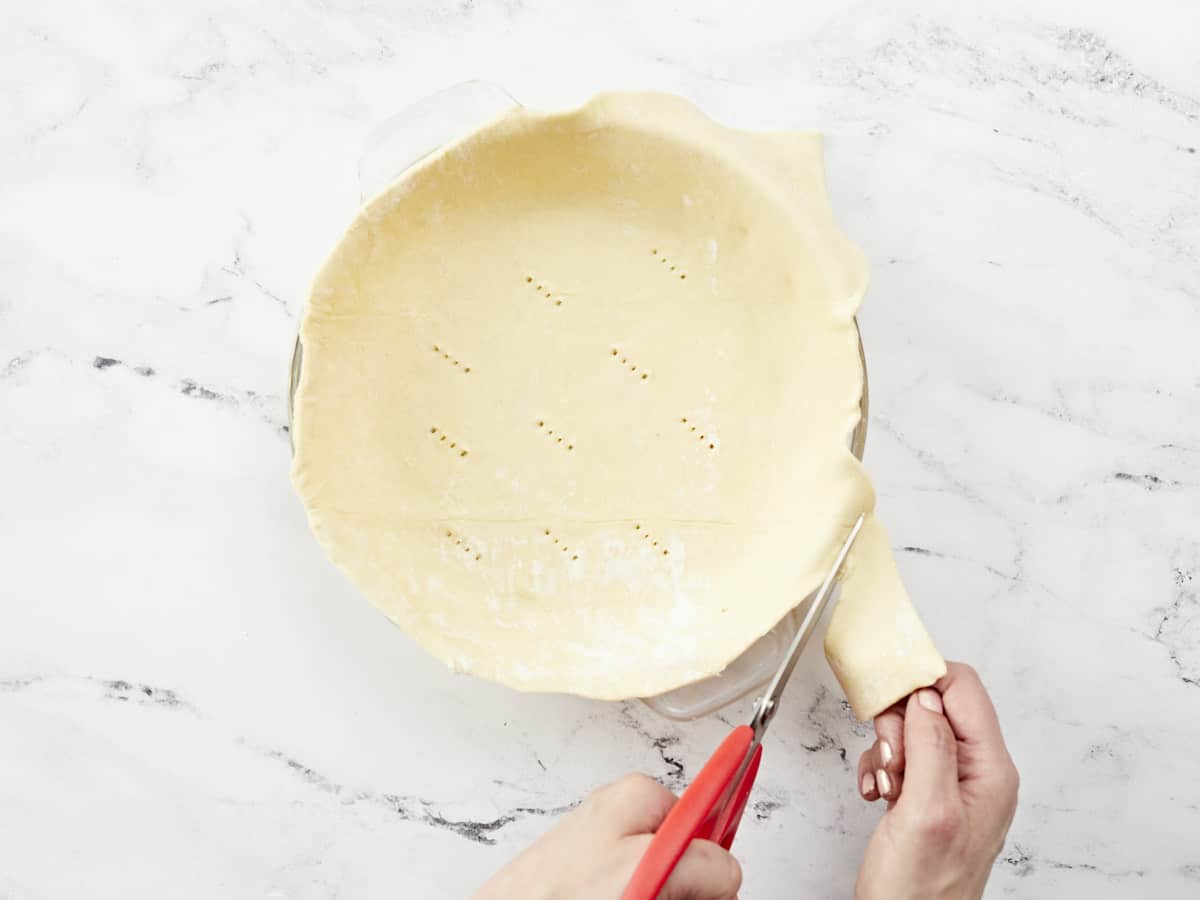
(727, 824)
(699, 814)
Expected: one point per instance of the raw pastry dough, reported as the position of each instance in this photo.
(876, 644)
(575, 399)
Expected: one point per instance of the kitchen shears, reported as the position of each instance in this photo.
(711, 808)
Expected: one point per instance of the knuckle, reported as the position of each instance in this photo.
(637, 783)
(1011, 783)
(966, 670)
(892, 721)
(628, 790)
(602, 796)
(733, 874)
(940, 822)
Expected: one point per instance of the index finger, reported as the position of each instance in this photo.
(969, 709)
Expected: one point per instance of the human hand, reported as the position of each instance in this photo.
(592, 852)
(940, 761)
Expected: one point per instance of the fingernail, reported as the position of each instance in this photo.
(868, 784)
(885, 751)
(885, 783)
(930, 699)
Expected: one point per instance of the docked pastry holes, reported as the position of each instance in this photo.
(558, 437)
(651, 540)
(461, 543)
(448, 442)
(704, 436)
(634, 369)
(543, 290)
(454, 361)
(668, 266)
(558, 544)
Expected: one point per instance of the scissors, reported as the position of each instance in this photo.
(712, 806)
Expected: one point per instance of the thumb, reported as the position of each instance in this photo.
(706, 871)
(931, 754)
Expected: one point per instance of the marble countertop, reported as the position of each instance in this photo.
(194, 703)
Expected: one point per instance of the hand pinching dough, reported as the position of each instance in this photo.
(575, 401)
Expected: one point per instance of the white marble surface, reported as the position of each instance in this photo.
(193, 703)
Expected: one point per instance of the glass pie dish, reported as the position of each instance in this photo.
(406, 139)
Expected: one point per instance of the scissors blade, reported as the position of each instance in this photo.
(769, 704)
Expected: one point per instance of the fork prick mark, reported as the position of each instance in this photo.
(461, 543)
(650, 539)
(701, 436)
(668, 264)
(445, 354)
(444, 439)
(543, 291)
(560, 545)
(640, 373)
(559, 439)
